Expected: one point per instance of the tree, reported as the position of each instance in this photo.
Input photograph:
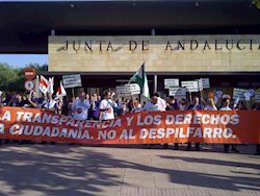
(256, 3)
(8, 78)
(12, 79)
(39, 68)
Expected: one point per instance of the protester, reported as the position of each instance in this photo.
(241, 106)
(1, 99)
(59, 105)
(80, 107)
(106, 107)
(256, 106)
(34, 101)
(70, 106)
(226, 107)
(122, 106)
(137, 106)
(172, 104)
(130, 105)
(7, 99)
(1, 104)
(155, 104)
(183, 104)
(14, 100)
(87, 97)
(210, 105)
(94, 107)
(49, 103)
(195, 106)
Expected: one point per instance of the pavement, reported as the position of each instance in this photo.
(75, 170)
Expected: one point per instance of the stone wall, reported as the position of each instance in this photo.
(212, 53)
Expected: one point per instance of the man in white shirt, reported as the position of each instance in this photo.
(80, 107)
(106, 107)
(155, 104)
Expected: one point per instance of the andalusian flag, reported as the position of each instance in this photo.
(141, 79)
(61, 92)
(44, 84)
(51, 84)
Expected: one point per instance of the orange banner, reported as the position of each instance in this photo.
(234, 127)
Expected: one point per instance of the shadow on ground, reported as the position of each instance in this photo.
(76, 170)
(46, 169)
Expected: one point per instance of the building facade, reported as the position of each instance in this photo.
(107, 41)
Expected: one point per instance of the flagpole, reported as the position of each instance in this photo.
(73, 93)
(37, 87)
(130, 80)
(142, 73)
(142, 89)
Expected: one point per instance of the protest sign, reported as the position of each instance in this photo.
(205, 83)
(247, 96)
(71, 81)
(192, 86)
(178, 92)
(219, 94)
(257, 96)
(252, 92)
(168, 83)
(128, 89)
(239, 93)
(200, 84)
(233, 127)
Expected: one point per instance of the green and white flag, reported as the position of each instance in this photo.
(141, 79)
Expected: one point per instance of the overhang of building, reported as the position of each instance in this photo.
(25, 26)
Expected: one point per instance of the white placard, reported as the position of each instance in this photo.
(247, 96)
(205, 83)
(219, 94)
(200, 84)
(71, 81)
(252, 92)
(192, 86)
(168, 83)
(128, 89)
(239, 93)
(257, 96)
(178, 92)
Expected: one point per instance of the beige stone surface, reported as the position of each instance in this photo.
(78, 58)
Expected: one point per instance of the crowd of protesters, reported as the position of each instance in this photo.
(107, 107)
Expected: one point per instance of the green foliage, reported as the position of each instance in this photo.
(8, 77)
(39, 68)
(256, 3)
(12, 79)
